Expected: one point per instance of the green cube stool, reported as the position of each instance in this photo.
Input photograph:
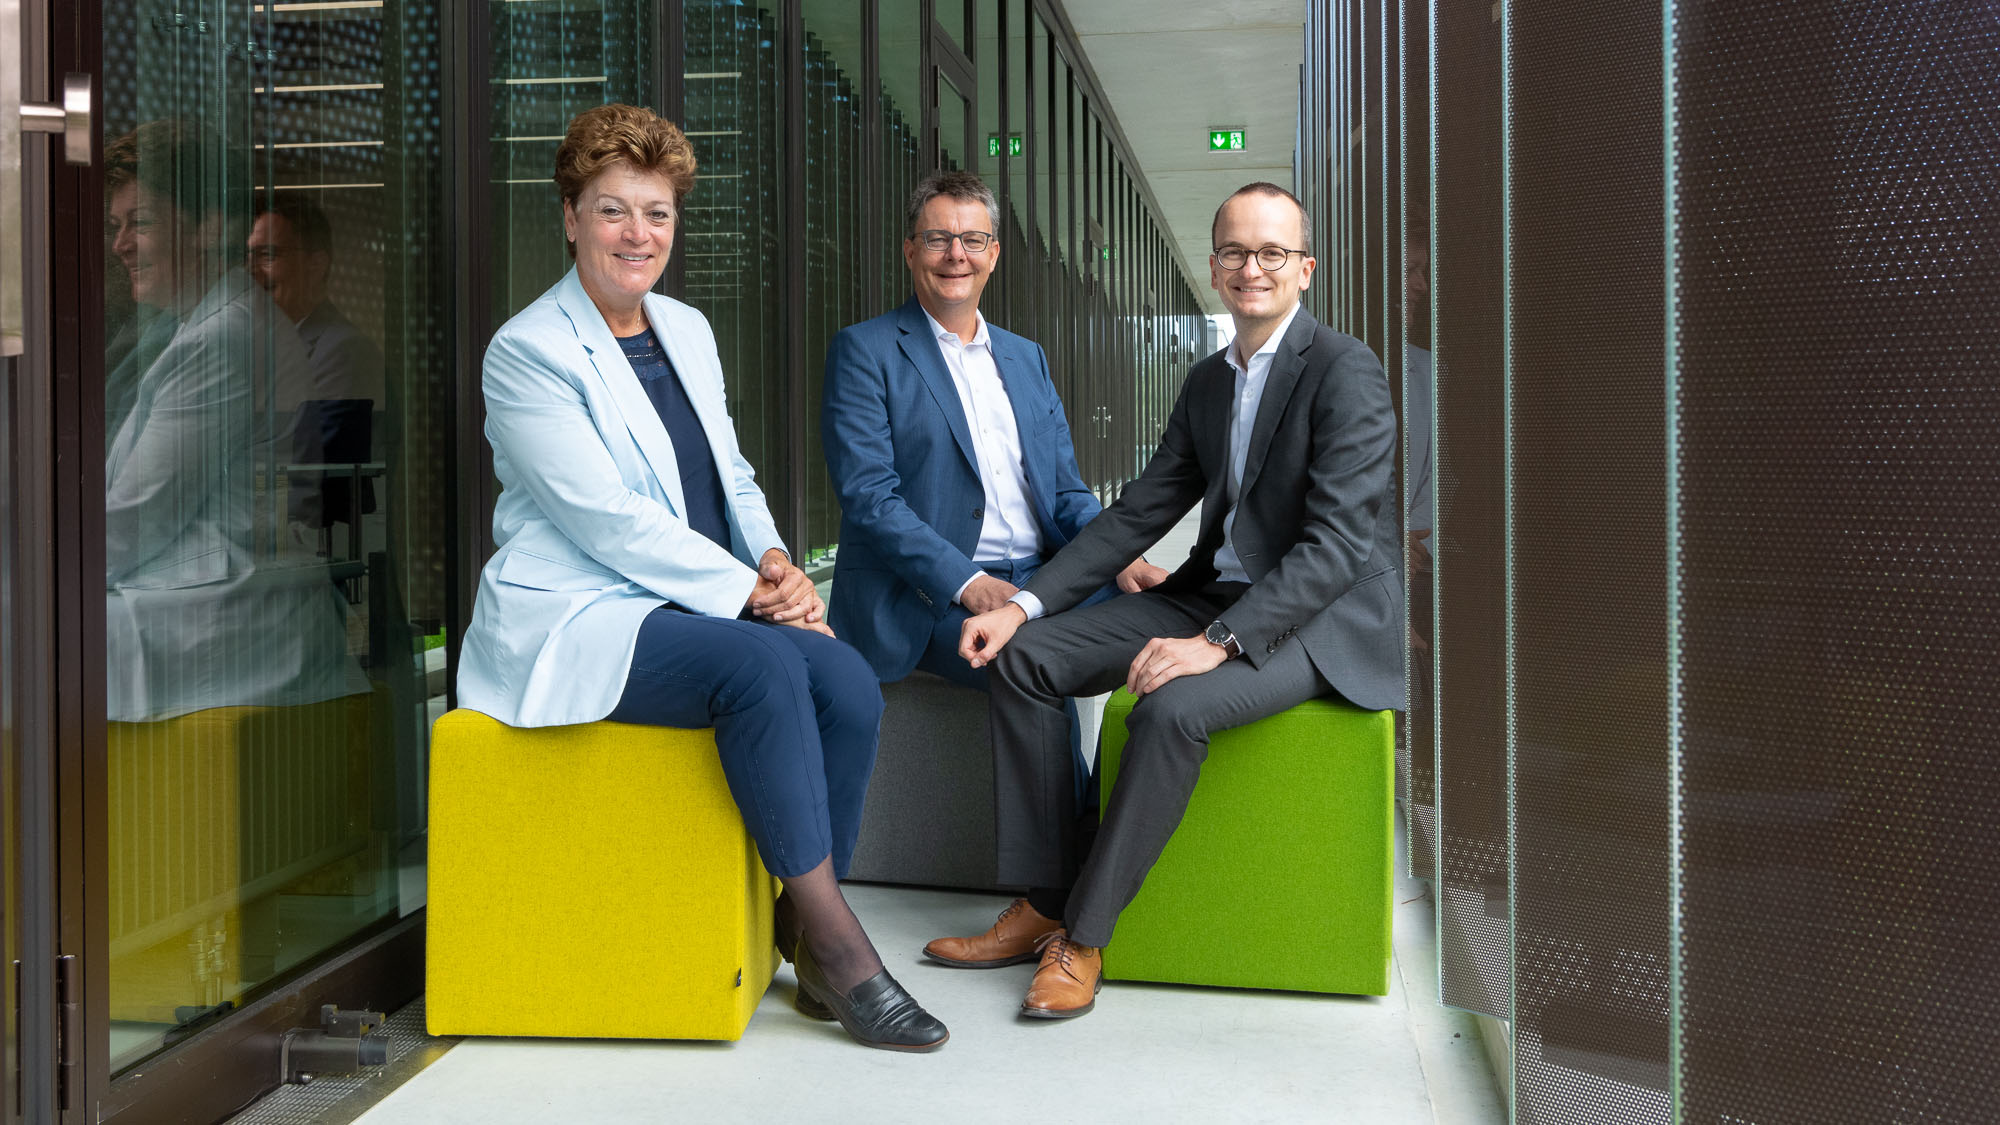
(1280, 874)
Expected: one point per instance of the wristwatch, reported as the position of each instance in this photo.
(1218, 634)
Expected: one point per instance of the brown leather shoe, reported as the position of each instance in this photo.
(1015, 938)
(1066, 985)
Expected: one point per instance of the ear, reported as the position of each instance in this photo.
(569, 219)
(1306, 266)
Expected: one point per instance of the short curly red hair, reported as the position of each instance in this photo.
(622, 134)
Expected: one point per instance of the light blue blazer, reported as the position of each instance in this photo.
(591, 524)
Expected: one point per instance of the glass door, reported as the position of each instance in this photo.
(274, 497)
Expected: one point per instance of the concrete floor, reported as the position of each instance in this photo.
(1153, 1053)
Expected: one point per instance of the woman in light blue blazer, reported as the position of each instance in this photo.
(640, 577)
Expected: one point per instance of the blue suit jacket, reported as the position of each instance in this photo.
(591, 524)
(901, 457)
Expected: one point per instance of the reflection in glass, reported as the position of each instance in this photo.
(951, 17)
(899, 102)
(836, 295)
(731, 223)
(1022, 312)
(951, 107)
(273, 454)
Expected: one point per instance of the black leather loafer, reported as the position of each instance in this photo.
(877, 1013)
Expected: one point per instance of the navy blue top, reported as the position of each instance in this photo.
(700, 484)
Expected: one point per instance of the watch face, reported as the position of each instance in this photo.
(1217, 633)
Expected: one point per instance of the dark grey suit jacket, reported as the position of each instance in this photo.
(1316, 527)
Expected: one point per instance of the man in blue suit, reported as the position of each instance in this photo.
(949, 450)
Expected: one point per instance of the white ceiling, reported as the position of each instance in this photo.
(1171, 69)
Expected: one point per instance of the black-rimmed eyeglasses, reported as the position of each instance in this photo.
(939, 241)
(1269, 258)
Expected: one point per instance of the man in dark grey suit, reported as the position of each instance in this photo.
(1288, 441)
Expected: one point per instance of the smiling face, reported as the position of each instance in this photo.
(1253, 294)
(622, 223)
(295, 275)
(948, 283)
(157, 245)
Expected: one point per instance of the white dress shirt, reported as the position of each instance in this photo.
(1007, 530)
(1250, 380)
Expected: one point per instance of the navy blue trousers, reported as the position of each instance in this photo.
(795, 715)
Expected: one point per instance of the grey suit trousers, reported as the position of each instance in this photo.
(1088, 651)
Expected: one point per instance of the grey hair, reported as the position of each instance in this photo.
(955, 185)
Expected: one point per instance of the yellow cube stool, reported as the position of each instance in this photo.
(590, 881)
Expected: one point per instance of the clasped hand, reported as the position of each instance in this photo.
(785, 596)
(1163, 659)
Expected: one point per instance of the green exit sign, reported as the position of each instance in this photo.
(1225, 140)
(1013, 144)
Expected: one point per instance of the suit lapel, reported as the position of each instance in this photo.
(1214, 384)
(622, 387)
(921, 346)
(1279, 382)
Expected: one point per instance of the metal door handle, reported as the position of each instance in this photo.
(71, 118)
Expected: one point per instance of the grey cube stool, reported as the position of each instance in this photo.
(929, 817)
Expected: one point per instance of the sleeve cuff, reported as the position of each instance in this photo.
(1029, 603)
(958, 595)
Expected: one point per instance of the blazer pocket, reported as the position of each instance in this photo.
(538, 573)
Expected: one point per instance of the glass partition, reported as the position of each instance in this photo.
(952, 107)
(732, 239)
(836, 295)
(899, 108)
(274, 496)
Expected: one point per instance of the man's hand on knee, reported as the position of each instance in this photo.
(1168, 658)
(981, 638)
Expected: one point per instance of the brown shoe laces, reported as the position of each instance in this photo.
(1064, 948)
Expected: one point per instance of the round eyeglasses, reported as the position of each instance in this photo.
(1269, 258)
(939, 241)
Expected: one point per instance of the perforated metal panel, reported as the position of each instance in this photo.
(1587, 390)
(1470, 541)
(1838, 527)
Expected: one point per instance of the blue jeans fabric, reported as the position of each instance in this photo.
(795, 715)
(941, 659)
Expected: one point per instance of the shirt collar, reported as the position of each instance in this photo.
(979, 335)
(1270, 346)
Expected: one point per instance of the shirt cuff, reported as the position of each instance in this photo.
(958, 596)
(1029, 603)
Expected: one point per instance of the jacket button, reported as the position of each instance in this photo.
(979, 513)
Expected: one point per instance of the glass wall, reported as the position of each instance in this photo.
(836, 248)
(274, 406)
(732, 240)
